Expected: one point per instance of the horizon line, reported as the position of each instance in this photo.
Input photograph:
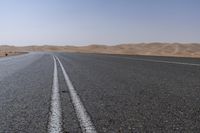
(103, 44)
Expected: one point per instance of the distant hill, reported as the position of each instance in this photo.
(157, 49)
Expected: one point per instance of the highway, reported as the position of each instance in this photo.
(96, 93)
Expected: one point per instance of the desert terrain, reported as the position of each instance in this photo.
(155, 49)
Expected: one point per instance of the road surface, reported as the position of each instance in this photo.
(93, 93)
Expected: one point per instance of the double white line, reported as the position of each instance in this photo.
(55, 120)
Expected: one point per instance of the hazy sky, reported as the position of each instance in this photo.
(28, 22)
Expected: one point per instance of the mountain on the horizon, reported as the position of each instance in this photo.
(157, 49)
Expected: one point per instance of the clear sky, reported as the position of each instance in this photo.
(81, 22)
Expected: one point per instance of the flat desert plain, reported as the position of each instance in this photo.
(155, 49)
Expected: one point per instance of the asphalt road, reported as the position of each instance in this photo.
(72, 93)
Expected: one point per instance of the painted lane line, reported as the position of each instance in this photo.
(55, 120)
(169, 62)
(159, 61)
(83, 117)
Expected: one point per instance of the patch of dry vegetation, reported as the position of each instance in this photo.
(156, 49)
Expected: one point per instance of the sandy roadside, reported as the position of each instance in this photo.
(152, 49)
(5, 54)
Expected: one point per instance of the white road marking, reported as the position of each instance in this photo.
(55, 120)
(169, 62)
(159, 61)
(84, 119)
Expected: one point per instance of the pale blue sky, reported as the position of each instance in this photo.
(82, 22)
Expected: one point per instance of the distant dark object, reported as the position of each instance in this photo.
(64, 91)
(6, 54)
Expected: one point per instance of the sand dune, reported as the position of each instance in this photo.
(157, 49)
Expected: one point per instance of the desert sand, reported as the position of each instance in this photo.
(155, 49)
